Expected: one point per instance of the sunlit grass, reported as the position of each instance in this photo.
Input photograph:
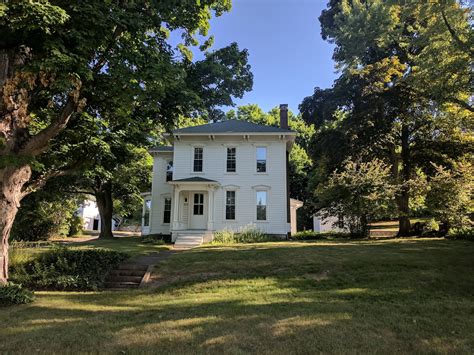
(398, 296)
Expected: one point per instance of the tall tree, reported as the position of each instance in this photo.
(57, 55)
(396, 91)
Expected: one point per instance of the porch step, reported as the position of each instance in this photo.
(184, 241)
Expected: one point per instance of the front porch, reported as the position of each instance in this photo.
(193, 208)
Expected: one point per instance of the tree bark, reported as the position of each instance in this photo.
(403, 197)
(12, 180)
(105, 206)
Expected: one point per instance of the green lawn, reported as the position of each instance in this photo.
(384, 296)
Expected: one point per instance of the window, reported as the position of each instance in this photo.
(169, 171)
(261, 159)
(167, 211)
(146, 213)
(198, 159)
(198, 208)
(261, 205)
(230, 205)
(231, 160)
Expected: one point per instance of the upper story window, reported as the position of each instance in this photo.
(261, 159)
(231, 160)
(261, 205)
(198, 155)
(169, 171)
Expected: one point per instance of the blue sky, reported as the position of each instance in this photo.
(286, 51)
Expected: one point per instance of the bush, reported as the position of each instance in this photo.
(44, 215)
(11, 294)
(155, 239)
(65, 269)
(248, 234)
(76, 226)
(311, 235)
(466, 233)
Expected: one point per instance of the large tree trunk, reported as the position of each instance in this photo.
(106, 210)
(403, 197)
(12, 180)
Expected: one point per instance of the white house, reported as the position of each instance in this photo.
(328, 224)
(224, 175)
(89, 212)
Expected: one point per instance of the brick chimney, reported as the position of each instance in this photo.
(284, 116)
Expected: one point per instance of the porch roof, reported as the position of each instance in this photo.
(195, 180)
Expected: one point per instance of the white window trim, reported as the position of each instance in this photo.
(256, 158)
(194, 146)
(225, 205)
(267, 190)
(166, 196)
(227, 146)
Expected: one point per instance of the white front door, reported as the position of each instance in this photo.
(198, 218)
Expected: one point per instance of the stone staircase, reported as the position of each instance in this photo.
(126, 276)
(189, 240)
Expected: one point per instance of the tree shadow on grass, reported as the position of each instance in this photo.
(266, 300)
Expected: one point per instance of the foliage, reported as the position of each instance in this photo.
(359, 194)
(311, 235)
(155, 239)
(11, 294)
(46, 214)
(248, 234)
(465, 233)
(67, 269)
(403, 91)
(450, 198)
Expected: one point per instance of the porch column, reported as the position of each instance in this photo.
(175, 208)
(210, 218)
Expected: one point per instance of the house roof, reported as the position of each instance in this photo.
(194, 179)
(161, 149)
(232, 126)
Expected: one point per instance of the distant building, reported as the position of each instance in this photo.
(89, 212)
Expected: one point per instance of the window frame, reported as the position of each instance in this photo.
(169, 172)
(232, 160)
(265, 206)
(260, 161)
(198, 204)
(166, 212)
(146, 212)
(230, 205)
(196, 160)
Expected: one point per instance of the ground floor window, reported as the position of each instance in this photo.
(146, 213)
(198, 208)
(261, 205)
(230, 205)
(167, 211)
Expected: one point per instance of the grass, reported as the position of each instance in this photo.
(391, 296)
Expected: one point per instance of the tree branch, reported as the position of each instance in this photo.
(39, 142)
(453, 33)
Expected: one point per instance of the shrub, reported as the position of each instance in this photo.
(156, 239)
(248, 234)
(12, 293)
(76, 226)
(65, 269)
(311, 235)
(466, 233)
(45, 214)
